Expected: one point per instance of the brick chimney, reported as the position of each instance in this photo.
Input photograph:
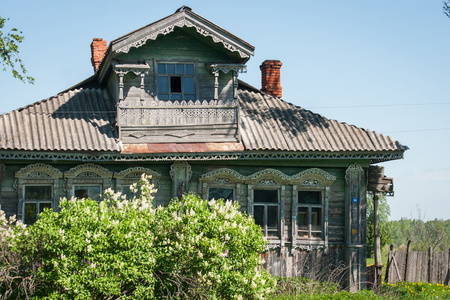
(270, 77)
(98, 49)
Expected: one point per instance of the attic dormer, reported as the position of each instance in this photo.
(175, 80)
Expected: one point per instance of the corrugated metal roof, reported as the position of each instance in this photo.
(77, 120)
(84, 120)
(269, 123)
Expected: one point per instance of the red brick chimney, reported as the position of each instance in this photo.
(98, 49)
(270, 77)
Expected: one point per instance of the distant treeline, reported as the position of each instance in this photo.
(433, 233)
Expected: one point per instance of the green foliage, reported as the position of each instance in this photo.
(384, 211)
(9, 52)
(446, 8)
(126, 249)
(423, 234)
(416, 290)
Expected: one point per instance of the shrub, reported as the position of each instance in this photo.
(127, 249)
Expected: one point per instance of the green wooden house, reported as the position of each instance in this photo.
(166, 100)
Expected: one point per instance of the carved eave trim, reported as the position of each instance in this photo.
(98, 170)
(226, 173)
(50, 171)
(137, 69)
(318, 176)
(141, 170)
(226, 68)
(181, 19)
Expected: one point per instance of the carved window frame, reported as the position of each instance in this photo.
(269, 179)
(87, 175)
(316, 180)
(222, 178)
(132, 175)
(38, 174)
(194, 76)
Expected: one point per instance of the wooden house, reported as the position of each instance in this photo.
(166, 100)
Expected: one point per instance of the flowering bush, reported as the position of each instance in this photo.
(127, 249)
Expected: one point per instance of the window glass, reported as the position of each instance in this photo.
(302, 221)
(92, 192)
(127, 192)
(30, 215)
(38, 192)
(270, 196)
(175, 81)
(258, 214)
(163, 84)
(220, 193)
(309, 197)
(272, 220)
(316, 219)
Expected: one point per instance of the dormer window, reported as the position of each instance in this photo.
(175, 81)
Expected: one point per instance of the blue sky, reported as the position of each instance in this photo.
(381, 65)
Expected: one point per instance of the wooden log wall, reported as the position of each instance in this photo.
(317, 264)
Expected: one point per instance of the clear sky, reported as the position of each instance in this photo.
(381, 65)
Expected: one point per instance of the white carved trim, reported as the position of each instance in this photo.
(80, 169)
(39, 170)
(127, 172)
(313, 176)
(182, 23)
(224, 173)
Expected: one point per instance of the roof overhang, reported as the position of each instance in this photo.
(182, 18)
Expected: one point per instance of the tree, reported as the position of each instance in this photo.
(384, 211)
(446, 8)
(127, 249)
(9, 52)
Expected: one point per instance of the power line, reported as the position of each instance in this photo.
(382, 105)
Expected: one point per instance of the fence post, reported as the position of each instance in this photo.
(389, 262)
(430, 262)
(408, 247)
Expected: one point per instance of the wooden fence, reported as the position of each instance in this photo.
(413, 266)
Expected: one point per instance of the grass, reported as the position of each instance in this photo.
(303, 288)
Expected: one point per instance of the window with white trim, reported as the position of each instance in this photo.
(36, 199)
(88, 191)
(266, 211)
(175, 81)
(310, 215)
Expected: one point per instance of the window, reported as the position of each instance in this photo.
(37, 198)
(266, 211)
(88, 191)
(175, 81)
(220, 193)
(310, 214)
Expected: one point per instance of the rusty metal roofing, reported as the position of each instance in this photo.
(269, 123)
(83, 120)
(76, 120)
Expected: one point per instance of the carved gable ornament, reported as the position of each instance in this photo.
(222, 175)
(37, 171)
(183, 18)
(88, 171)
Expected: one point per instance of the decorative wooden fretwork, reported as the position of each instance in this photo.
(41, 175)
(87, 175)
(133, 175)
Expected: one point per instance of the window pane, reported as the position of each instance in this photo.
(302, 218)
(189, 69)
(43, 206)
(272, 220)
(38, 192)
(127, 192)
(188, 85)
(316, 219)
(161, 68)
(220, 193)
(258, 214)
(175, 84)
(270, 196)
(92, 192)
(180, 69)
(163, 84)
(170, 68)
(30, 215)
(309, 197)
